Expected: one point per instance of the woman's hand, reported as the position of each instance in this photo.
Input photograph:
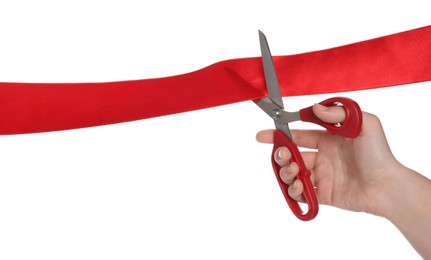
(347, 173)
(360, 174)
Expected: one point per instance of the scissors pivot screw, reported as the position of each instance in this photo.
(276, 114)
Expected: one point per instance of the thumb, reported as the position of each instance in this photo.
(332, 114)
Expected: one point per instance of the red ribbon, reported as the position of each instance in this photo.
(396, 59)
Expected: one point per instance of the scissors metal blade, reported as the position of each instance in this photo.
(269, 71)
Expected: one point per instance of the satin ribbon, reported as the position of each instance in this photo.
(396, 59)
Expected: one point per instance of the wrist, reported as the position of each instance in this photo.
(407, 206)
(401, 192)
(386, 193)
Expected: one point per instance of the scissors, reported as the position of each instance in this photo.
(273, 106)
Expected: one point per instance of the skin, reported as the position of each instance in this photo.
(381, 186)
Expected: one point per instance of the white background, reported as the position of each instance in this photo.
(194, 185)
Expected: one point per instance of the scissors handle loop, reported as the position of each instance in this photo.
(352, 125)
(304, 175)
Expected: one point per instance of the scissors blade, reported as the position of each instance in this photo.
(269, 71)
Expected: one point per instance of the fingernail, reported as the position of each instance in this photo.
(321, 107)
(289, 169)
(279, 153)
(295, 184)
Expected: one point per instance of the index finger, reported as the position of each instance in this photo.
(265, 136)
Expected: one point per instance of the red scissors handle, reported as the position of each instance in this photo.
(304, 175)
(351, 127)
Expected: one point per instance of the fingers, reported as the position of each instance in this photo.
(282, 156)
(295, 191)
(289, 171)
(307, 138)
(332, 114)
(265, 136)
(302, 138)
(288, 175)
